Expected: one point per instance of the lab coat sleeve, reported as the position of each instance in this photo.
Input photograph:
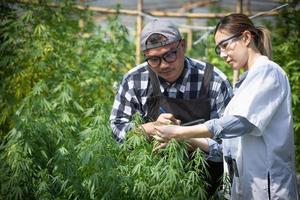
(229, 126)
(259, 99)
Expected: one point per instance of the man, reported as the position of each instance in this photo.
(170, 87)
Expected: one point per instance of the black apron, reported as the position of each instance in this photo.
(187, 111)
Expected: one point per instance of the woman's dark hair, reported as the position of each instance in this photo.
(237, 23)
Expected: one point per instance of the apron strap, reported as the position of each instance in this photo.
(208, 72)
(154, 81)
(154, 100)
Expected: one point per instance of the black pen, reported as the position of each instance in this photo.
(162, 110)
(198, 121)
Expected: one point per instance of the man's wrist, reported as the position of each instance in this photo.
(148, 128)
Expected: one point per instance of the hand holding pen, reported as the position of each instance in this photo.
(175, 121)
(167, 119)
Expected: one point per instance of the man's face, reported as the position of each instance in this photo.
(167, 61)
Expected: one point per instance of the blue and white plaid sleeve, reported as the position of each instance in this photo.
(215, 151)
(220, 94)
(122, 110)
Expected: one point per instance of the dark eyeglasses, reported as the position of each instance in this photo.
(168, 57)
(224, 43)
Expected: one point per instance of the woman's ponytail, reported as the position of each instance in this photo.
(264, 43)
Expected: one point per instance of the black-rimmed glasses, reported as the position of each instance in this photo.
(169, 57)
(224, 43)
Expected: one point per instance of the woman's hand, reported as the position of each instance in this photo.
(167, 132)
(163, 119)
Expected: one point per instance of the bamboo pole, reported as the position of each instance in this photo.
(81, 22)
(239, 6)
(248, 7)
(162, 13)
(189, 8)
(189, 38)
(190, 5)
(151, 13)
(187, 15)
(139, 24)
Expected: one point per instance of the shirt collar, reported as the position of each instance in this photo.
(180, 83)
(242, 78)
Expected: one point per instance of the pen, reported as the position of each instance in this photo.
(162, 110)
(198, 121)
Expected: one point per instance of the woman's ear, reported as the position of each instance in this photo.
(247, 37)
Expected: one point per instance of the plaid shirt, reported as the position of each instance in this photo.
(136, 88)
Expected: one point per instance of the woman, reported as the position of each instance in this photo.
(257, 126)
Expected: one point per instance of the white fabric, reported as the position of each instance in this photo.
(264, 98)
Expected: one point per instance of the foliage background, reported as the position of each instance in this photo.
(57, 86)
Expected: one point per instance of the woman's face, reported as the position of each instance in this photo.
(232, 48)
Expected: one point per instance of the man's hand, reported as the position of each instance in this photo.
(167, 118)
(163, 119)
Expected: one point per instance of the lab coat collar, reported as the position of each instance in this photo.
(242, 78)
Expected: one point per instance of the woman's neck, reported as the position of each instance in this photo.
(253, 55)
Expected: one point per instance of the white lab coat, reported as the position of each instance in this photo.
(264, 98)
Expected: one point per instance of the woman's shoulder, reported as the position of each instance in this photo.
(264, 64)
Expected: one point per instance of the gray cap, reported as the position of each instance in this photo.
(160, 26)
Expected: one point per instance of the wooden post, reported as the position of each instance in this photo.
(239, 6)
(139, 26)
(189, 38)
(248, 7)
(81, 22)
(236, 73)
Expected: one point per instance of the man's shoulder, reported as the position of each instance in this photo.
(219, 73)
(196, 64)
(137, 72)
(201, 65)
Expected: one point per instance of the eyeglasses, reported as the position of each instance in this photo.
(168, 57)
(224, 43)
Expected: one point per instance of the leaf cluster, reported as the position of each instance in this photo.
(170, 173)
(57, 84)
(56, 91)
